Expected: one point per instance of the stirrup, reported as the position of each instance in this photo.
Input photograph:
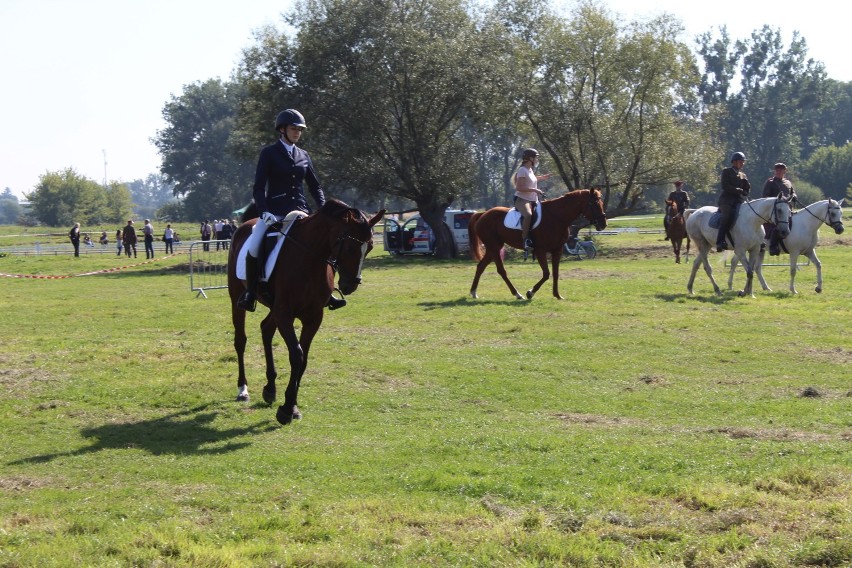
(247, 301)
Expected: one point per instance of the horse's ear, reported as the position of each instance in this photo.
(376, 218)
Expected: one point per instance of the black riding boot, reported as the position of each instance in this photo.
(335, 303)
(774, 244)
(721, 243)
(248, 301)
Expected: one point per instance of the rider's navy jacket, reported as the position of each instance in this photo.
(280, 178)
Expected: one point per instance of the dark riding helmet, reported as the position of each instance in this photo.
(738, 156)
(529, 154)
(290, 117)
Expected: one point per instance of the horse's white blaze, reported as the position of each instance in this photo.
(364, 248)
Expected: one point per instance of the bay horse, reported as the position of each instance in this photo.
(334, 240)
(676, 230)
(802, 239)
(746, 236)
(487, 229)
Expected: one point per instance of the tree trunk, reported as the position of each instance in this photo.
(434, 216)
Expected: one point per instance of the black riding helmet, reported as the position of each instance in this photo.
(529, 153)
(289, 117)
(738, 156)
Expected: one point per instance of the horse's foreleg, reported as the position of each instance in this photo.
(811, 254)
(749, 268)
(731, 273)
(676, 249)
(267, 330)
(757, 258)
(695, 264)
(555, 258)
(545, 275)
(238, 317)
(286, 412)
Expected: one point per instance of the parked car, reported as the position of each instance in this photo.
(415, 236)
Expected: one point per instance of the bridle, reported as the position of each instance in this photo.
(836, 225)
(774, 217)
(337, 250)
(597, 217)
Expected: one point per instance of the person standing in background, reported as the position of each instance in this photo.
(169, 239)
(148, 232)
(74, 235)
(130, 239)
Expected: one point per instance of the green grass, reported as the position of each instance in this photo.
(629, 425)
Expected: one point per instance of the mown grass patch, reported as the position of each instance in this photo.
(629, 425)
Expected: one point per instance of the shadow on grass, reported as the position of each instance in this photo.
(706, 299)
(470, 302)
(183, 433)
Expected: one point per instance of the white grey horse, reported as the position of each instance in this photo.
(747, 235)
(803, 237)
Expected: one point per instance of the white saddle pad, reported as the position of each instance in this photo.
(513, 218)
(273, 256)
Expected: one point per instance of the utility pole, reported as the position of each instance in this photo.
(105, 165)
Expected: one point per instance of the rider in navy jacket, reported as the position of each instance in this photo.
(280, 178)
(282, 170)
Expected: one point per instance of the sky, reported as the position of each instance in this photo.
(83, 82)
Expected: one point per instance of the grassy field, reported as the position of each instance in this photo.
(628, 425)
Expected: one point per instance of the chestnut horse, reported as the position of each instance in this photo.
(487, 229)
(333, 240)
(676, 230)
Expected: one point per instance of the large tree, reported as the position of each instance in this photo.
(66, 197)
(614, 106)
(199, 157)
(393, 83)
(765, 99)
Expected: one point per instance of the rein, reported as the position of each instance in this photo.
(827, 219)
(774, 220)
(331, 260)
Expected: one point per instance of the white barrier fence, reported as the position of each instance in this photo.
(208, 266)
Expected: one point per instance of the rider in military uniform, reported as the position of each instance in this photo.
(282, 171)
(679, 196)
(775, 186)
(735, 187)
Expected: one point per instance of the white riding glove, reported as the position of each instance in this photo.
(269, 218)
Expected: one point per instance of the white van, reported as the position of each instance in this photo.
(415, 236)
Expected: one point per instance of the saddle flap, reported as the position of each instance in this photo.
(514, 218)
(271, 250)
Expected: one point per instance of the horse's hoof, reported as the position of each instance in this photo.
(242, 398)
(518, 296)
(741, 293)
(818, 290)
(297, 415)
(284, 417)
(269, 395)
(529, 294)
(473, 295)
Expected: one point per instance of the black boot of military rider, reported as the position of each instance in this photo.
(248, 301)
(774, 244)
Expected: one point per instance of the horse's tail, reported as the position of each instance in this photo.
(475, 245)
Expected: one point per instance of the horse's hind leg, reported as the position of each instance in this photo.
(480, 268)
(267, 330)
(289, 411)
(501, 270)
